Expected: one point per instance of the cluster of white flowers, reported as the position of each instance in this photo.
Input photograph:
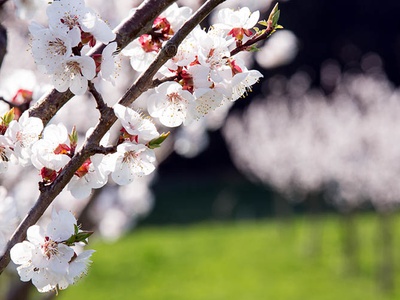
(134, 157)
(17, 138)
(59, 49)
(47, 257)
(204, 78)
(206, 75)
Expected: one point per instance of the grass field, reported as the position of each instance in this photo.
(236, 261)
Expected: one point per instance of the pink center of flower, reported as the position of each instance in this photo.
(175, 98)
(129, 157)
(70, 20)
(84, 169)
(73, 67)
(49, 247)
(57, 47)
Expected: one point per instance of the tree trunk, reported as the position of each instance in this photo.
(350, 242)
(386, 268)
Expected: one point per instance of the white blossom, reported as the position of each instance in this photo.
(46, 258)
(131, 161)
(69, 15)
(51, 48)
(228, 18)
(92, 175)
(135, 124)
(51, 150)
(74, 74)
(170, 103)
(109, 63)
(23, 134)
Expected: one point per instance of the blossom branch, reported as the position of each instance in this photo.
(253, 41)
(144, 82)
(127, 31)
(272, 26)
(107, 119)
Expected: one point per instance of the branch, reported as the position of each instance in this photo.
(101, 105)
(107, 119)
(139, 23)
(2, 2)
(3, 41)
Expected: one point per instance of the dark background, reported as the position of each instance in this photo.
(209, 186)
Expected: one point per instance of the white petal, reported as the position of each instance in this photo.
(21, 253)
(123, 174)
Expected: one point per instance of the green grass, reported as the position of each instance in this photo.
(235, 261)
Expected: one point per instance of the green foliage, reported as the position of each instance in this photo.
(235, 261)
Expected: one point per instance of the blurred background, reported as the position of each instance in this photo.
(342, 51)
(294, 193)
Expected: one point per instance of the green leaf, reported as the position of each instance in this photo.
(78, 236)
(83, 236)
(8, 117)
(274, 15)
(73, 136)
(253, 48)
(264, 23)
(156, 143)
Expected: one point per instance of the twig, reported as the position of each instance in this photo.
(106, 121)
(252, 41)
(22, 106)
(101, 105)
(156, 82)
(3, 41)
(104, 150)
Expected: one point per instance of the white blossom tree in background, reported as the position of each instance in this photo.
(70, 126)
(343, 145)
